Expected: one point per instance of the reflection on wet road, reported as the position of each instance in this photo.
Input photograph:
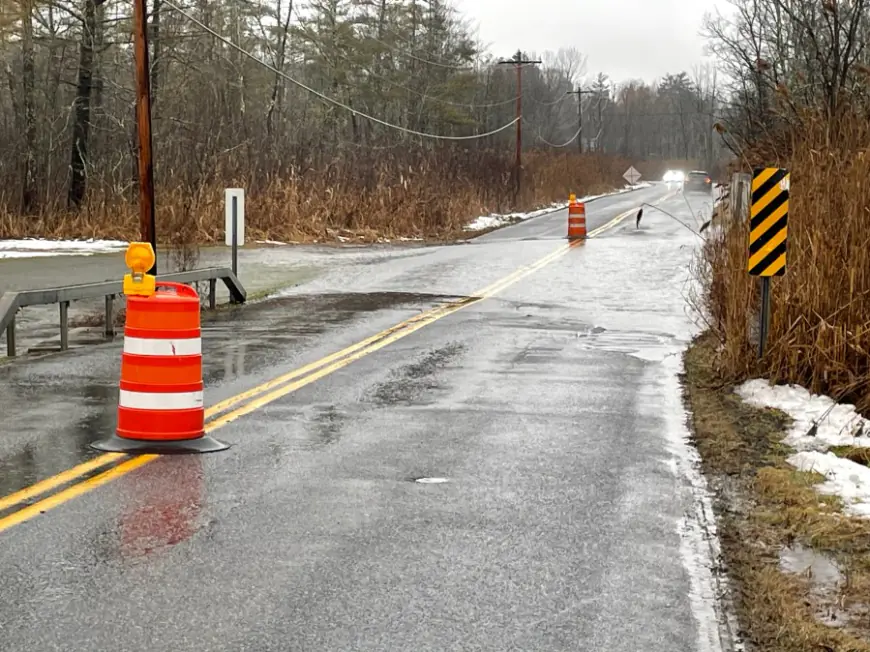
(565, 514)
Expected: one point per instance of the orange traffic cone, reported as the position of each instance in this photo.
(576, 219)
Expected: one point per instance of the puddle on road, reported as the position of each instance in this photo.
(824, 577)
(800, 560)
(277, 326)
(237, 342)
(69, 447)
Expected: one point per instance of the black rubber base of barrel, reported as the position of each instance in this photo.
(115, 444)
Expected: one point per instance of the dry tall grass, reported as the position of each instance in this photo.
(415, 194)
(820, 330)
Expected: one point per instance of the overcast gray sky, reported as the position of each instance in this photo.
(627, 39)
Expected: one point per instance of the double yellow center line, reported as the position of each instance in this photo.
(238, 406)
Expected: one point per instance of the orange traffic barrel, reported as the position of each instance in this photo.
(576, 220)
(160, 408)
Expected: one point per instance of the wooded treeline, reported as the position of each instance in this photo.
(787, 60)
(68, 133)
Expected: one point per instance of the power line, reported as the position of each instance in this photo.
(326, 98)
(664, 114)
(573, 138)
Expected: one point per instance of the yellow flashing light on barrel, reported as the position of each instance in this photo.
(139, 258)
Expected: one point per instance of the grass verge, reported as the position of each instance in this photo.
(764, 507)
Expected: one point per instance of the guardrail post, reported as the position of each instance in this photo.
(212, 293)
(64, 325)
(10, 338)
(110, 315)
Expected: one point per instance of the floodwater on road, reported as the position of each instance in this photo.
(512, 472)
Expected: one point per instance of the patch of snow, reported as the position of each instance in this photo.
(271, 242)
(38, 247)
(496, 220)
(837, 425)
(845, 479)
(637, 186)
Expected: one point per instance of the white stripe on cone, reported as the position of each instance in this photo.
(143, 346)
(158, 401)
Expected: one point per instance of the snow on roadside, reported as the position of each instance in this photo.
(37, 247)
(496, 220)
(837, 425)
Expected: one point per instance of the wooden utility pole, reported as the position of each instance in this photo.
(580, 93)
(143, 121)
(519, 62)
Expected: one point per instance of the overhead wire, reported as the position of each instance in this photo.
(326, 98)
(553, 103)
(573, 138)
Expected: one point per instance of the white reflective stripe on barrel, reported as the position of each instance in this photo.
(149, 346)
(160, 401)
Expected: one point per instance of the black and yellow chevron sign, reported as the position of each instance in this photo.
(768, 230)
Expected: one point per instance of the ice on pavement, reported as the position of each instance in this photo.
(496, 220)
(38, 247)
(837, 425)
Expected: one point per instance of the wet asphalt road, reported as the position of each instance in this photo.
(571, 518)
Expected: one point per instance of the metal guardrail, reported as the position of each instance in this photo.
(12, 302)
